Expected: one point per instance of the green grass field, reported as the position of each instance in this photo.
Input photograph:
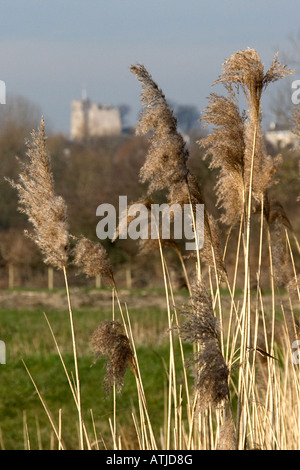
(23, 421)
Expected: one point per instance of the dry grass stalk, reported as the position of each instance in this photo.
(45, 408)
(212, 252)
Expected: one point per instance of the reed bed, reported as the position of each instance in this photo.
(241, 385)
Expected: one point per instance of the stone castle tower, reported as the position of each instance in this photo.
(91, 120)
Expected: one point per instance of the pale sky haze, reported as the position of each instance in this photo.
(50, 49)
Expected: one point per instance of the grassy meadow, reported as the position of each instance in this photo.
(24, 423)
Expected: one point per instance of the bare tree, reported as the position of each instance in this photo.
(187, 116)
(124, 111)
(19, 113)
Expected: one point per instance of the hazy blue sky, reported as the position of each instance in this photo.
(49, 49)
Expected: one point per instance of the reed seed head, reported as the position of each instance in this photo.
(209, 368)
(110, 341)
(227, 439)
(245, 69)
(46, 211)
(281, 261)
(226, 147)
(274, 211)
(165, 163)
(91, 258)
(236, 143)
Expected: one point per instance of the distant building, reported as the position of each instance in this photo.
(280, 139)
(92, 120)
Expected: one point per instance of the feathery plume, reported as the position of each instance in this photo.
(188, 192)
(45, 210)
(209, 368)
(226, 144)
(109, 340)
(278, 222)
(227, 439)
(293, 285)
(91, 258)
(226, 147)
(281, 265)
(165, 163)
(274, 211)
(245, 70)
